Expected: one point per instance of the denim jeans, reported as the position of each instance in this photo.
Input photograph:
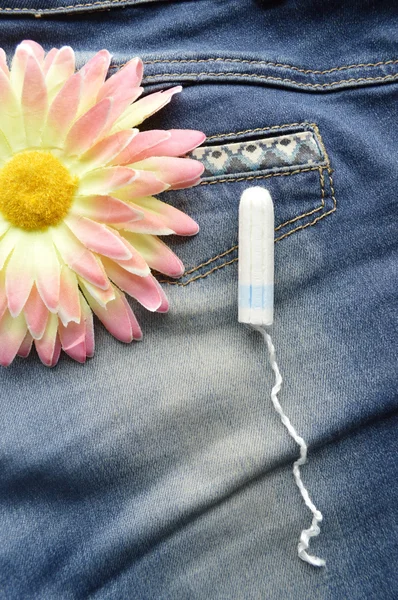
(160, 470)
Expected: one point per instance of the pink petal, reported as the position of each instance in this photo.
(59, 69)
(36, 50)
(69, 302)
(18, 68)
(140, 145)
(49, 60)
(36, 314)
(135, 328)
(124, 81)
(88, 318)
(12, 334)
(11, 122)
(57, 352)
(62, 111)
(171, 170)
(19, 279)
(3, 295)
(186, 184)
(156, 254)
(142, 109)
(3, 62)
(105, 209)
(48, 270)
(143, 289)
(33, 101)
(46, 346)
(108, 179)
(171, 217)
(98, 238)
(100, 296)
(115, 317)
(103, 152)
(144, 184)
(164, 307)
(94, 73)
(180, 142)
(25, 347)
(123, 88)
(7, 244)
(73, 340)
(78, 258)
(85, 132)
(136, 264)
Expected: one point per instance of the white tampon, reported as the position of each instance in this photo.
(256, 257)
(256, 308)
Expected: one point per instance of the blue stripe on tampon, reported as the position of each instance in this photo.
(256, 296)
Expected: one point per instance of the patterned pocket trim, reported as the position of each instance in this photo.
(277, 153)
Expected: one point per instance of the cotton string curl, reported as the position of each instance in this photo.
(314, 530)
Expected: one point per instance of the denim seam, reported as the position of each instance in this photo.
(271, 78)
(299, 228)
(392, 61)
(46, 10)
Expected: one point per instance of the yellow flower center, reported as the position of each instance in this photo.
(36, 190)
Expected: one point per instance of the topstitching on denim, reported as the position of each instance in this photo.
(301, 220)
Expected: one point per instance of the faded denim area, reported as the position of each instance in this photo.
(159, 470)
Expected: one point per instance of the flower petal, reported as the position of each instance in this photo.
(5, 148)
(175, 142)
(140, 145)
(11, 123)
(103, 181)
(47, 269)
(98, 238)
(124, 81)
(87, 129)
(33, 101)
(3, 63)
(173, 219)
(144, 184)
(3, 295)
(7, 244)
(36, 49)
(69, 303)
(79, 258)
(18, 68)
(117, 317)
(88, 318)
(47, 347)
(143, 289)
(12, 334)
(156, 254)
(25, 347)
(105, 209)
(73, 339)
(171, 170)
(100, 296)
(142, 109)
(61, 67)
(136, 264)
(93, 73)
(36, 314)
(48, 60)
(19, 278)
(105, 150)
(62, 112)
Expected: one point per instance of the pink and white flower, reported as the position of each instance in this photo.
(79, 223)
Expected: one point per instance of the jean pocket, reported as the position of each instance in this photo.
(290, 160)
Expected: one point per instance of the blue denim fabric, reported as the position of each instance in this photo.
(159, 471)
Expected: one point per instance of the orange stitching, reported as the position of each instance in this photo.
(311, 212)
(270, 78)
(46, 10)
(263, 62)
(272, 64)
(278, 239)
